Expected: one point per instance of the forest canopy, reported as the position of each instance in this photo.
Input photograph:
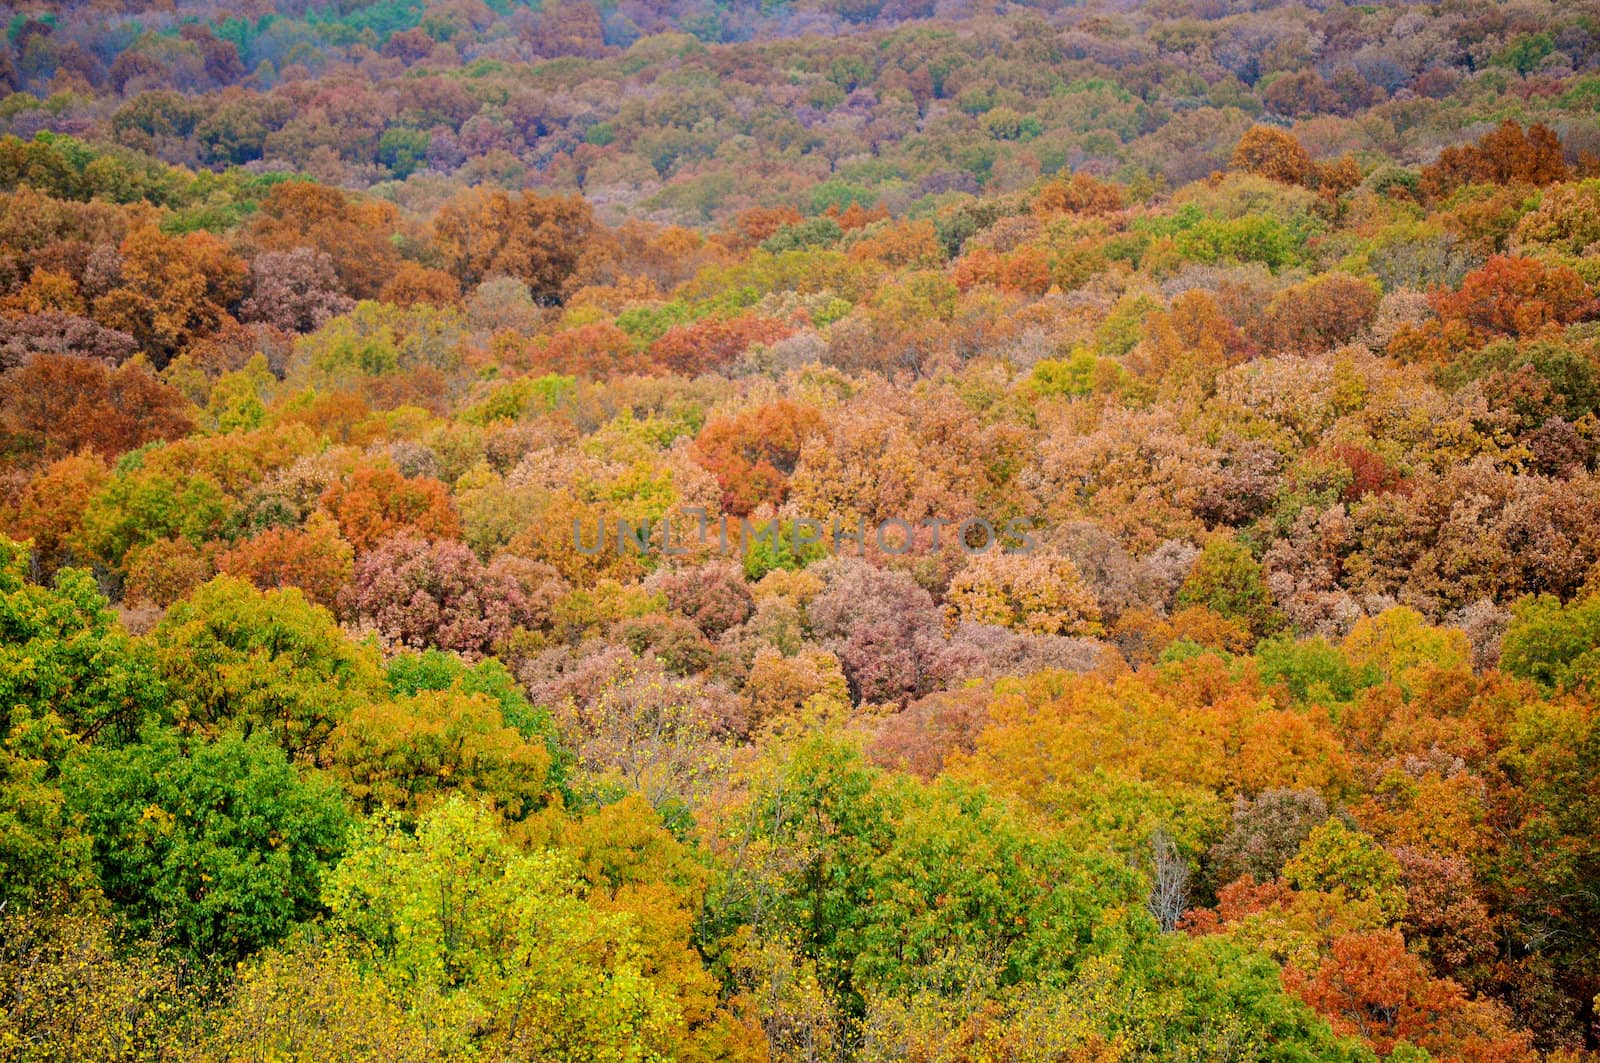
(821, 531)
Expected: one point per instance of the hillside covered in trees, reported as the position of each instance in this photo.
(819, 531)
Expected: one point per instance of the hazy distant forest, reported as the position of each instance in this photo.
(331, 336)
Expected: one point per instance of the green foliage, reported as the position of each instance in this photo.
(140, 506)
(649, 322)
(901, 887)
(45, 858)
(804, 235)
(458, 910)
(1226, 578)
(1336, 858)
(375, 339)
(1555, 645)
(521, 397)
(216, 847)
(1570, 374)
(767, 551)
(403, 150)
(233, 656)
(1313, 669)
(1201, 237)
(1211, 995)
(1073, 377)
(63, 655)
(1527, 51)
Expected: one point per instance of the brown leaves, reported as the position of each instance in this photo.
(60, 404)
(537, 239)
(1508, 155)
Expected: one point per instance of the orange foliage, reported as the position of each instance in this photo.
(903, 244)
(759, 223)
(52, 505)
(60, 404)
(375, 501)
(413, 284)
(314, 558)
(1077, 194)
(1519, 296)
(752, 454)
(353, 233)
(1024, 270)
(340, 416)
(1372, 987)
(855, 216)
(537, 239)
(1505, 156)
(1273, 154)
(589, 351)
(712, 344)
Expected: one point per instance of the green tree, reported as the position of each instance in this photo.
(1226, 578)
(1555, 645)
(218, 847)
(261, 660)
(1335, 858)
(458, 909)
(896, 887)
(62, 653)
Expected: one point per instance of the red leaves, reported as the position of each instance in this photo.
(374, 502)
(421, 594)
(1371, 986)
(1369, 473)
(713, 344)
(752, 454)
(63, 404)
(591, 351)
(1517, 296)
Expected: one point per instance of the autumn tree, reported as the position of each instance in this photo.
(270, 662)
(1506, 155)
(1517, 296)
(422, 594)
(1373, 987)
(172, 290)
(753, 453)
(406, 753)
(457, 909)
(1227, 579)
(62, 404)
(1273, 154)
(354, 234)
(1321, 314)
(75, 983)
(537, 239)
(884, 629)
(65, 657)
(293, 290)
(375, 501)
(315, 559)
(1033, 592)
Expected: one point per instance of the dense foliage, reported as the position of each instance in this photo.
(493, 501)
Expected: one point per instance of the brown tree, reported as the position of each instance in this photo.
(537, 239)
